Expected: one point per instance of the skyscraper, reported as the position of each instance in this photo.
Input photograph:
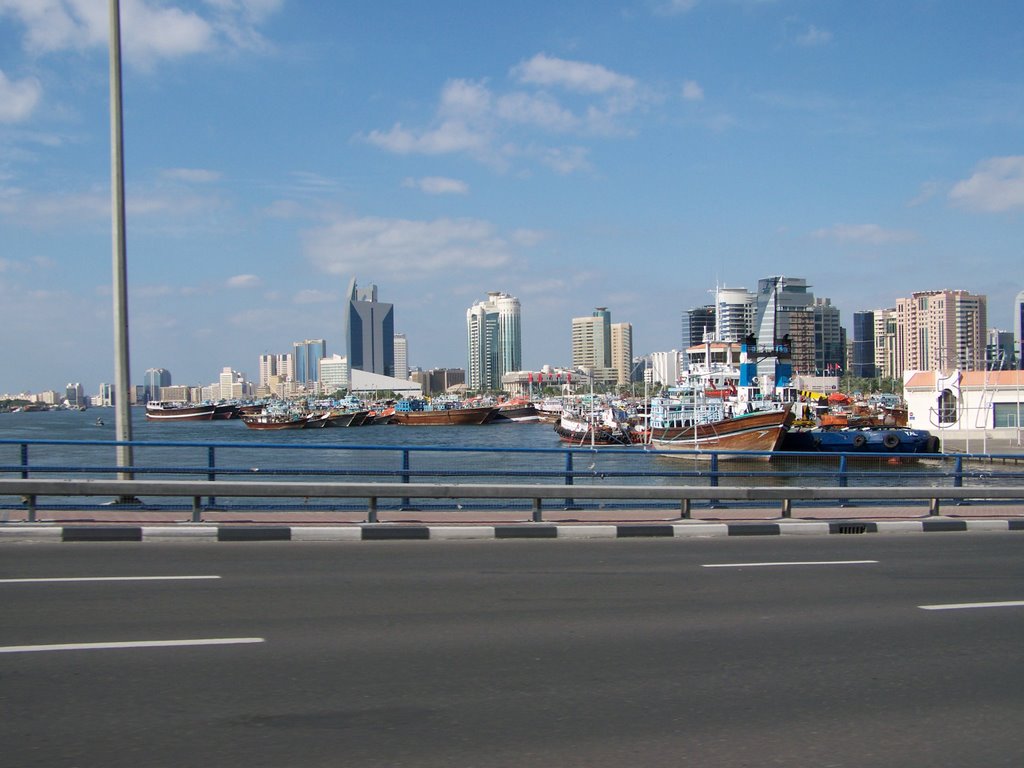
(785, 308)
(401, 356)
(494, 340)
(306, 356)
(369, 331)
(863, 357)
(155, 378)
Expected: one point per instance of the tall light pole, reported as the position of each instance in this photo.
(122, 400)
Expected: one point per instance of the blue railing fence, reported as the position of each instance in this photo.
(41, 458)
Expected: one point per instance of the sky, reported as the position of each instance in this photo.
(630, 155)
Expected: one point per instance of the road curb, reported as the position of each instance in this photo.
(405, 532)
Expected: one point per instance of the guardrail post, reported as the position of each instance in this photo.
(933, 506)
(538, 517)
(406, 502)
(713, 477)
(211, 462)
(958, 477)
(197, 509)
(371, 510)
(30, 502)
(684, 509)
(844, 481)
(24, 461)
(787, 508)
(569, 503)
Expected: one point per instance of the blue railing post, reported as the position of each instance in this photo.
(406, 502)
(958, 472)
(211, 462)
(24, 461)
(569, 504)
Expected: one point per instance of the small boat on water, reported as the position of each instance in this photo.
(440, 413)
(276, 420)
(518, 409)
(177, 411)
(338, 419)
(609, 427)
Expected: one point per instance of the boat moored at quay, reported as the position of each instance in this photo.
(440, 412)
(177, 411)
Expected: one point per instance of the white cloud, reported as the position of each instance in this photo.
(868, 234)
(536, 109)
(191, 175)
(492, 127)
(18, 98)
(437, 185)
(243, 281)
(150, 30)
(566, 160)
(674, 7)
(814, 36)
(451, 136)
(403, 248)
(692, 91)
(996, 185)
(577, 76)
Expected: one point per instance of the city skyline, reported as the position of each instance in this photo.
(630, 156)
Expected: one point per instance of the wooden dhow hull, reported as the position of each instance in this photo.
(181, 413)
(445, 416)
(758, 431)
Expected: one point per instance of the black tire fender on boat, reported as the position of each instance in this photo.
(891, 440)
(932, 446)
(859, 440)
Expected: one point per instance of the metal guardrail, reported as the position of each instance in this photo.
(129, 490)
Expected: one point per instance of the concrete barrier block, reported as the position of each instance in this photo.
(694, 530)
(899, 526)
(326, 533)
(457, 532)
(813, 528)
(587, 531)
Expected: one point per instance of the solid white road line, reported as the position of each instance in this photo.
(131, 644)
(807, 562)
(962, 606)
(105, 578)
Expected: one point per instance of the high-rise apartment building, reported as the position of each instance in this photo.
(369, 331)
(306, 357)
(401, 356)
(886, 333)
(494, 340)
(154, 380)
(735, 313)
(697, 323)
(829, 339)
(592, 340)
(622, 352)
(940, 330)
(333, 374)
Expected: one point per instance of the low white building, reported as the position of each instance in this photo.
(974, 411)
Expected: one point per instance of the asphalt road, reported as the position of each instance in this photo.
(516, 653)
